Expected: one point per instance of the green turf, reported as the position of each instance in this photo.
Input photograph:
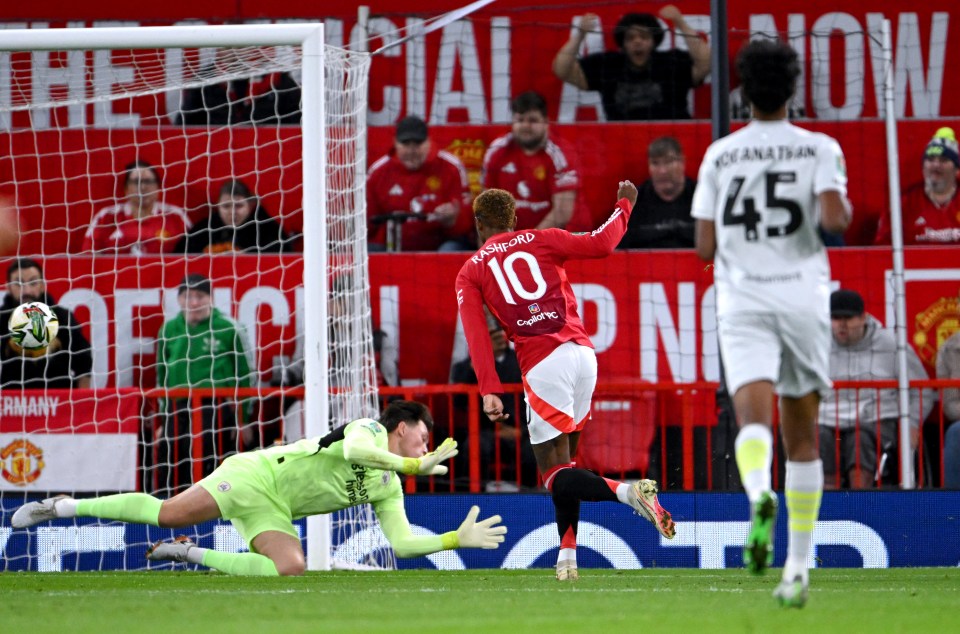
(501, 602)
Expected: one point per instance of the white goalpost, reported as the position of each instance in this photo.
(202, 106)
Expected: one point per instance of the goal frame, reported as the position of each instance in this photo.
(308, 36)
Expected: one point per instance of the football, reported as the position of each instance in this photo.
(33, 326)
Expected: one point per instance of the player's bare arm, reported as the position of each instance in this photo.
(835, 211)
(706, 239)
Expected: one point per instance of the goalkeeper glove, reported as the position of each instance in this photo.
(430, 463)
(474, 534)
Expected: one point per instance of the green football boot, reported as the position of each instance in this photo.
(758, 552)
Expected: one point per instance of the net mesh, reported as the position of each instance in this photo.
(157, 195)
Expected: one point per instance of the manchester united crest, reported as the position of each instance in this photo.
(21, 462)
(470, 152)
(934, 325)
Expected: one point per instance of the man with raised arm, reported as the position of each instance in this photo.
(762, 194)
(519, 275)
(262, 492)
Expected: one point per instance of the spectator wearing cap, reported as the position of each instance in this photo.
(931, 209)
(199, 348)
(853, 423)
(417, 195)
(637, 82)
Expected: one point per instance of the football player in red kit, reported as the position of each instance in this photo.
(519, 275)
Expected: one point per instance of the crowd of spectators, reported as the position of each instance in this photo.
(418, 199)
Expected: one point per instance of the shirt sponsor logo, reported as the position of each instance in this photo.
(775, 278)
(357, 488)
(946, 235)
(21, 462)
(534, 308)
(538, 317)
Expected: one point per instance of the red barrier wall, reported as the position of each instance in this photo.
(650, 314)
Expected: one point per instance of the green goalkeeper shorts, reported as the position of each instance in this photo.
(245, 492)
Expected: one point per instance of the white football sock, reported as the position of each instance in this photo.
(803, 491)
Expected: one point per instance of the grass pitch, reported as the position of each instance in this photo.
(489, 601)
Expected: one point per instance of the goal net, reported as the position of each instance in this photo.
(191, 202)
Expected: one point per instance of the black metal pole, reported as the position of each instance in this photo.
(719, 70)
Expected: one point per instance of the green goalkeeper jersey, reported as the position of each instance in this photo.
(312, 476)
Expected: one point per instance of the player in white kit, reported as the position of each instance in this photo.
(762, 194)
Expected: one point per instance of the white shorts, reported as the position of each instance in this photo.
(559, 390)
(790, 350)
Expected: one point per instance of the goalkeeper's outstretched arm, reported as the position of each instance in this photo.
(359, 447)
(487, 534)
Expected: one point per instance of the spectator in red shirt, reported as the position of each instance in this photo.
(537, 169)
(931, 209)
(140, 225)
(416, 195)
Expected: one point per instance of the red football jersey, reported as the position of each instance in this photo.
(924, 222)
(114, 229)
(520, 277)
(391, 187)
(533, 179)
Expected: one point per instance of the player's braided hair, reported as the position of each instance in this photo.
(495, 208)
(405, 412)
(768, 73)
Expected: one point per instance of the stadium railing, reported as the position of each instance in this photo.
(677, 433)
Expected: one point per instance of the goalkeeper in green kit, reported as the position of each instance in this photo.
(262, 492)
